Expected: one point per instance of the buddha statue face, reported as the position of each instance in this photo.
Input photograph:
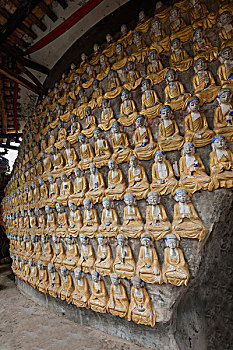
(225, 18)
(194, 105)
(82, 138)
(176, 44)
(78, 172)
(225, 96)
(95, 276)
(107, 203)
(153, 198)
(140, 121)
(171, 241)
(51, 179)
(112, 165)
(137, 282)
(159, 157)
(226, 54)
(115, 279)
(88, 111)
(109, 38)
(54, 238)
(119, 49)
(146, 241)
(59, 208)
(116, 127)
(219, 142)
(96, 48)
(129, 199)
(141, 16)
(130, 66)
(83, 57)
(174, 14)
(146, 85)
(83, 239)
(198, 34)
(124, 95)
(87, 204)
(171, 76)
(105, 103)
(124, 29)
(96, 85)
(133, 162)
(47, 209)
(181, 195)
(98, 133)
(188, 148)
(137, 38)
(50, 268)
(77, 274)
(195, 3)
(101, 240)
(72, 206)
(93, 169)
(153, 55)
(155, 24)
(165, 113)
(200, 65)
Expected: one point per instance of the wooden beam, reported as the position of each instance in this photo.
(3, 108)
(30, 75)
(34, 65)
(62, 3)
(37, 22)
(47, 10)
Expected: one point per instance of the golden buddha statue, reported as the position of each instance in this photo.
(28, 247)
(62, 221)
(121, 57)
(97, 95)
(225, 70)
(193, 175)
(86, 152)
(51, 220)
(118, 303)
(90, 220)
(126, 38)
(175, 95)
(62, 134)
(132, 221)
(104, 68)
(148, 268)
(114, 85)
(90, 76)
(54, 281)
(43, 281)
(139, 48)
(150, 101)
(122, 151)
(141, 310)
(53, 192)
(143, 22)
(58, 162)
(128, 110)
(80, 187)
(37, 248)
(107, 116)
(72, 254)
(196, 126)
(58, 252)
(133, 77)
(202, 46)
(144, 142)
(81, 293)
(96, 185)
(102, 149)
(87, 257)
(179, 59)
(67, 286)
(44, 193)
(116, 183)
(204, 85)
(83, 64)
(74, 131)
(186, 223)
(124, 265)
(158, 38)
(175, 270)
(137, 178)
(169, 136)
(65, 190)
(221, 164)
(104, 261)
(223, 123)
(199, 15)
(47, 252)
(47, 165)
(90, 124)
(178, 26)
(157, 222)
(99, 296)
(163, 179)
(110, 222)
(41, 224)
(80, 110)
(155, 71)
(109, 46)
(34, 274)
(225, 33)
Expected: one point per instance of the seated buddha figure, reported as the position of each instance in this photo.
(90, 220)
(225, 33)
(28, 247)
(225, 70)
(196, 126)
(47, 252)
(67, 286)
(178, 26)
(202, 46)
(43, 281)
(139, 48)
(62, 134)
(155, 71)
(58, 252)
(90, 123)
(144, 142)
(51, 220)
(34, 274)
(120, 143)
(169, 136)
(74, 130)
(150, 101)
(132, 221)
(126, 37)
(204, 85)
(157, 222)
(141, 310)
(80, 110)
(90, 76)
(41, 222)
(96, 185)
(158, 38)
(200, 16)
(53, 192)
(118, 303)
(37, 248)
(87, 256)
(80, 187)
(72, 254)
(163, 179)
(186, 223)
(44, 193)
(128, 110)
(65, 190)
(47, 165)
(104, 68)
(86, 152)
(109, 223)
(99, 296)
(221, 164)
(175, 95)
(114, 85)
(83, 64)
(193, 175)
(116, 182)
(179, 59)
(76, 87)
(97, 95)
(223, 122)
(124, 265)
(175, 270)
(133, 77)
(54, 281)
(75, 220)
(62, 221)
(102, 149)
(120, 56)
(107, 116)
(58, 162)
(137, 178)
(148, 268)
(143, 22)
(81, 293)
(71, 158)
(104, 261)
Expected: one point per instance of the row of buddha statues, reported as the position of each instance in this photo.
(186, 222)
(38, 265)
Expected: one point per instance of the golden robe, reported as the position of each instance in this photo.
(163, 183)
(116, 185)
(157, 222)
(177, 96)
(80, 188)
(96, 188)
(139, 189)
(156, 74)
(181, 61)
(197, 125)
(107, 119)
(90, 223)
(102, 153)
(81, 293)
(122, 151)
(141, 310)
(175, 270)
(144, 150)
(90, 126)
(150, 105)
(205, 50)
(99, 297)
(148, 268)
(128, 113)
(205, 93)
(169, 136)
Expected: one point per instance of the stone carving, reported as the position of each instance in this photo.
(124, 265)
(109, 222)
(118, 303)
(81, 293)
(99, 296)
(104, 261)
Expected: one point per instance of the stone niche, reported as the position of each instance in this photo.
(187, 317)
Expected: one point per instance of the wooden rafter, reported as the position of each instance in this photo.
(46, 9)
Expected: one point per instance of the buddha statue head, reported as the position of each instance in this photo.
(141, 16)
(103, 60)
(140, 121)
(72, 206)
(69, 240)
(219, 142)
(116, 127)
(77, 79)
(72, 66)
(165, 112)
(170, 76)
(82, 138)
(55, 239)
(78, 172)
(189, 149)
(64, 271)
(224, 96)
(130, 66)
(65, 86)
(51, 179)
(98, 135)
(174, 14)
(198, 34)
(119, 49)
(51, 268)
(171, 241)
(146, 240)
(101, 239)
(78, 274)
(95, 85)
(81, 94)
(87, 204)
(124, 29)
(83, 239)
(181, 195)
(194, 104)
(83, 57)
(115, 279)
(137, 38)
(152, 55)
(66, 144)
(159, 157)
(124, 95)
(129, 199)
(137, 282)
(200, 65)
(90, 69)
(47, 209)
(88, 111)
(226, 54)
(105, 103)
(93, 169)
(107, 203)
(59, 208)
(133, 162)
(95, 276)
(195, 4)
(146, 85)
(153, 198)
(225, 18)
(112, 165)
(176, 44)
(155, 25)
(96, 48)
(109, 38)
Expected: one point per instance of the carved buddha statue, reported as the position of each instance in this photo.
(72, 254)
(37, 248)
(133, 77)
(90, 124)
(102, 149)
(75, 220)
(81, 105)
(47, 252)
(118, 303)
(65, 190)
(107, 116)
(97, 95)
(225, 33)
(53, 192)
(51, 220)
(132, 222)
(99, 296)
(128, 110)
(62, 134)
(58, 252)
(158, 38)
(90, 220)
(81, 293)
(87, 256)
(179, 59)
(144, 142)
(150, 101)
(86, 152)
(34, 274)
(74, 130)
(104, 68)
(44, 193)
(54, 281)
(116, 183)
(104, 261)
(121, 150)
(110, 222)
(114, 87)
(96, 185)
(139, 48)
(155, 71)
(67, 286)
(43, 278)
(202, 46)
(137, 178)
(58, 162)
(80, 187)
(62, 221)
(71, 158)
(225, 70)
(124, 265)
(121, 57)
(223, 116)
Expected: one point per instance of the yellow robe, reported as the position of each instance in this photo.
(124, 265)
(54, 284)
(81, 293)
(169, 137)
(225, 76)
(182, 61)
(75, 223)
(104, 261)
(147, 314)
(58, 255)
(205, 50)
(90, 126)
(118, 303)
(225, 38)
(116, 185)
(114, 88)
(176, 101)
(205, 94)
(87, 156)
(62, 134)
(221, 170)
(143, 141)
(202, 18)
(150, 105)
(121, 61)
(80, 187)
(107, 119)
(139, 189)
(72, 257)
(128, 114)
(43, 281)
(96, 189)
(146, 265)
(175, 270)
(166, 185)
(90, 223)
(53, 194)
(104, 69)
(99, 297)
(192, 127)
(140, 52)
(66, 288)
(132, 80)
(122, 151)
(47, 254)
(156, 74)
(73, 137)
(62, 224)
(102, 153)
(87, 259)
(109, 223)
(65, 191)
(157, 224)
(132, 223)
(220, 123)
(160, 42)
(96, 99)
(181, 31)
